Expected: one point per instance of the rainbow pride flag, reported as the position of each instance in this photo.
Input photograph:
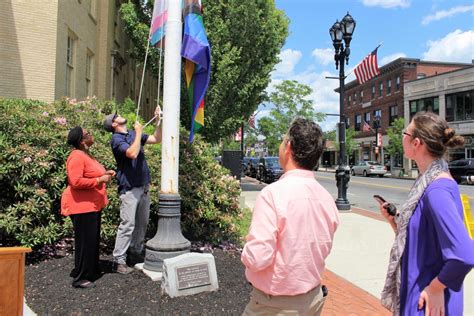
(158, 22)
(197, 54)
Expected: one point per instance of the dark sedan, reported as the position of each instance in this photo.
(252, 166)
(269, 169)
(460, 168)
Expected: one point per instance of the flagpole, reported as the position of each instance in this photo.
(169, 241)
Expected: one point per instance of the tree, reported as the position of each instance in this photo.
(330, 135)
(395, 144)
(245, 38)
(290, 99)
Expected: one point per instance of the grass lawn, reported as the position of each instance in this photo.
(243, 223)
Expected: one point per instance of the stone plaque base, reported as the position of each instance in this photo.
(189, 274)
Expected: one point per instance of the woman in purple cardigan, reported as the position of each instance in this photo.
(432, 252)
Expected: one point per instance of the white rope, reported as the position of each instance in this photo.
(143, 76)
(159, 75)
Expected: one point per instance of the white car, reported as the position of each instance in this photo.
(367, 168)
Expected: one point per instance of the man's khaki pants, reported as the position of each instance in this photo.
(310, 303)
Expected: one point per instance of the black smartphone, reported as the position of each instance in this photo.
(391, 209)
(379, 199)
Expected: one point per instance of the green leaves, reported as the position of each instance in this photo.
(33, 153)
(245, 37)
(291, 99)
(394, 132)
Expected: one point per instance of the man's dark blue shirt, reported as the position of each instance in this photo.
(131, 173)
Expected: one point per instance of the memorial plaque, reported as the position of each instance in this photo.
(192, 276)
(189, 274)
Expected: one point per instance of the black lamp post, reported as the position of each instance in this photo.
(339, 31)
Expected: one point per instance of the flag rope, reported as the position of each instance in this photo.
(143, 74)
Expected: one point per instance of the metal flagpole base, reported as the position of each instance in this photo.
(169, 241)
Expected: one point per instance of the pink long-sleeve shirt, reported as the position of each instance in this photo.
(291, 234)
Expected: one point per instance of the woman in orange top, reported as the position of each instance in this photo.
(83, 200)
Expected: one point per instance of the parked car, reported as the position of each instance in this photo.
(368, 168)
(252, 166)
(462, 167)
(245, 160)
(269, 169)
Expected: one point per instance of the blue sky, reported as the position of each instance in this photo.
(436, 30)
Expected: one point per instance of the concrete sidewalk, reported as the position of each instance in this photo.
(357, 264)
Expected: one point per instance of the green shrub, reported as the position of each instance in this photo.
(33, 153)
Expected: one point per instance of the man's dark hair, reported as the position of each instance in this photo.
(306, 138)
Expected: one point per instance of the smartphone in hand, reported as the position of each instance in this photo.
(379, 199)
(391, 209)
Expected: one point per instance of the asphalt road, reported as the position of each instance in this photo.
(361, 189)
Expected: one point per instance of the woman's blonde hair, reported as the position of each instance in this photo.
(435, 132)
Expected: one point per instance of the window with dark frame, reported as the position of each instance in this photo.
(393, 114)
(398, 83)
(69, 66)
(459, 106)
(389, 86)
(367, 117)
(357, 122)
(430, 104)
(373, 91)
(381, 89)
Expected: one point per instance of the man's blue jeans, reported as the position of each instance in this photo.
(134, 214)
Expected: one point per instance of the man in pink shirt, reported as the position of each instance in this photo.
(292, 230)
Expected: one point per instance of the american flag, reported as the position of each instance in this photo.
(366, 127)
(368, 68)
(252, 120)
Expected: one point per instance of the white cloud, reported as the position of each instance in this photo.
(447, 13)
(289, 58)
(324, 55)
(389, 58)
(457, 46)
(387, 4)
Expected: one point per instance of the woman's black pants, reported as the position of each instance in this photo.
(86, 247)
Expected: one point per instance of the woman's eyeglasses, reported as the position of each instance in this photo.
(404, 132)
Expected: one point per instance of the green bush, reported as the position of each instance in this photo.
(33, 153)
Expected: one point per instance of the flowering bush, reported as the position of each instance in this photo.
(33, 152)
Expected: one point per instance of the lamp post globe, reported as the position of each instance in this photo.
(338, 32)
(348, 25)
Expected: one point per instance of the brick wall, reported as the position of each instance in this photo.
(28, 49)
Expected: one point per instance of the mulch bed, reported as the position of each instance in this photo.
(48, 290)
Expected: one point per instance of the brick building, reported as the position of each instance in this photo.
(383, 97)
(74, 48)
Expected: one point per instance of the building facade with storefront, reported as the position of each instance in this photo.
(75, 48)
(370, 108)
(449, 95)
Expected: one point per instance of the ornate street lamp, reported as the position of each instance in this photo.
(339, 31)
